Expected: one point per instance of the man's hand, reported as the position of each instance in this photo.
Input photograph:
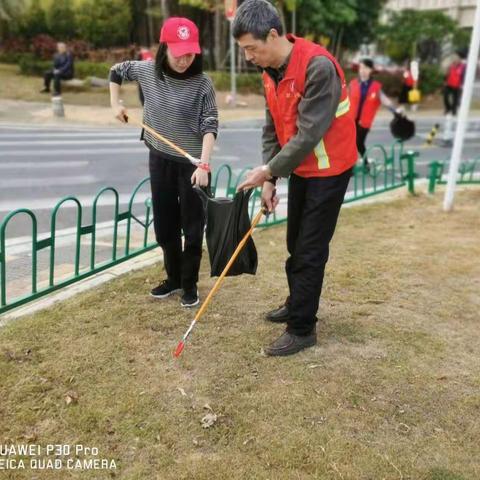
(255, 178)
(269, 196)
(120, 113)
(200, 177)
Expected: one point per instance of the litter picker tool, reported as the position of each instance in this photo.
(254, 223)
(197, 162)
(202, 309)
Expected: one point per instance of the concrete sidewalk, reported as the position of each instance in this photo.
(36, 113)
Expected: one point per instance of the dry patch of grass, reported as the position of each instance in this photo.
(390, 392)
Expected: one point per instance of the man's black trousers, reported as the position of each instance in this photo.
(57, 78)
(313, 208)
(177, 207)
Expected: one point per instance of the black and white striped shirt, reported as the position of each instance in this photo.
(183, 110)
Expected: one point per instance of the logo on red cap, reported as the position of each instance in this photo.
(183, 32)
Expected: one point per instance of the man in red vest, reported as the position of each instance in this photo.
(308, 137)
(366, 96)
(451, 93)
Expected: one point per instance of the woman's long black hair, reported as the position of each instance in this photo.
(162, 66)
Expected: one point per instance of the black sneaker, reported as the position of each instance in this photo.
(190, 298)
(45, 90)
(165, 289)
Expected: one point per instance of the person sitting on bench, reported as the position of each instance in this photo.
(62, 69)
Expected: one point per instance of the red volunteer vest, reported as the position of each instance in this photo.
(408, 78)
(455, 75)
(370, 105)
(336, 152)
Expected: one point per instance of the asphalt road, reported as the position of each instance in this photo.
(40, 165)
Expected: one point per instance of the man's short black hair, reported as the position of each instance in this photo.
(257, 17)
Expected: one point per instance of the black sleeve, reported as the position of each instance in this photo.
(115, 77)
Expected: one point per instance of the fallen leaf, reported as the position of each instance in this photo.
(208, 420)
(182, 391)
(71, 397)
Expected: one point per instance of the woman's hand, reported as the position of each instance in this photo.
(120, 113)
(200, 177)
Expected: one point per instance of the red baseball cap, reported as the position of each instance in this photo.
(181, 36)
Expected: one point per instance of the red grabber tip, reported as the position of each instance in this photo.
(178, 350)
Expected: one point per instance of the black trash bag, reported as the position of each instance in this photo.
(227, 224)
(401, 127)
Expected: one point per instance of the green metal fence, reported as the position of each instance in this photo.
(392, 169)
(82, 231)
(468, 173)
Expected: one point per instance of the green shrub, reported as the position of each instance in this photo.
(104, 23)
(431, 78)
(30, 65)
(246, 82)
(10, 57)
(84, 69)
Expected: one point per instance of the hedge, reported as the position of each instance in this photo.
(29, 65)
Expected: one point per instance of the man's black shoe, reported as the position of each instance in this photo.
(279, 315)
(190, 298)
(288, 344)
(45, 90)
(165, 289)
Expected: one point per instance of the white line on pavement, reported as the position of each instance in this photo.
(113, 135)
(41, 165)
(47, 182)
(75, 151)
(72, 142)
(107, 199)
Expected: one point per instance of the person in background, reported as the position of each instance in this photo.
(452, 91)
(62, 70)
(366, 96)
(407, 85)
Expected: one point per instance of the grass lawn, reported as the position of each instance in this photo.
(391, 391)
(22, 87)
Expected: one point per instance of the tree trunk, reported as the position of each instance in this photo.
(218, 39)
(165, 8)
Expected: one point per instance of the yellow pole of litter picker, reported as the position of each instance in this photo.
(255, 221)
(181, 151)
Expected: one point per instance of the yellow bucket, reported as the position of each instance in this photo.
(414, 96)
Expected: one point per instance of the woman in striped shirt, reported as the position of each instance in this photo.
(180, 105)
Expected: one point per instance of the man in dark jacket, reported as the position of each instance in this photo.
(309, 136)
(62, 69)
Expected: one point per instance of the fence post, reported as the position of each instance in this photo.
(411, 175)
(432, 176)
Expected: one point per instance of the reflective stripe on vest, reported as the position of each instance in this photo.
(343, 108)
(322, 155)
(320, 150)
